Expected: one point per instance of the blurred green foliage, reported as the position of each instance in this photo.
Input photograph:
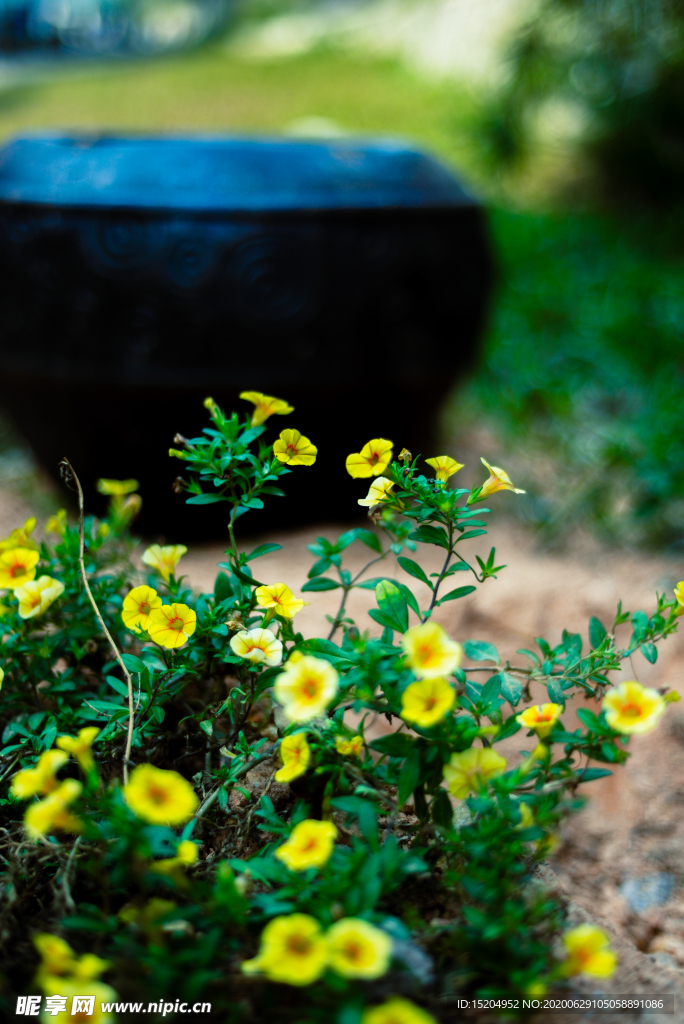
(617, 69)
(584, 369)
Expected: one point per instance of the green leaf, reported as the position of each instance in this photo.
(413, 569)
(490, 690)
(510, 727)
(442, 810)
(409, 777)
(117, 685)
(320, 583)
(589, 774)
(597, 632)
(132, 663)
(593, 722)
(392, 605)
(396, 744)
(207, 727)
(453, 595)
(510, 688)
(555, 692)
(263, 549)
(471, 533)
(410, 598)
(431, 535)
(371, 584)
(205, 499)
(367, 537)
(650, 652)
(480, 650)
(245, 577)
(222, 587)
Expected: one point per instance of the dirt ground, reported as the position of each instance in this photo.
(620, 861)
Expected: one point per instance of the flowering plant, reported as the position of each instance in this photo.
(199, 789)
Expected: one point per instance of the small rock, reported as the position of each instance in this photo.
(648, 891)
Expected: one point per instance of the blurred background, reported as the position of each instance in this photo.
(566, 117)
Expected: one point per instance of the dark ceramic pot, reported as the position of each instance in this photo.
(140, 275)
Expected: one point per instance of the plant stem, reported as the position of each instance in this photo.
(345, 593)
(450, 552)
(70, 473)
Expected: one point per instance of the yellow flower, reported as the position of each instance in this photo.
(279, 597)
(372, 460)
(117, 488)
(17, 566)
(41, 778)
(349, 747)
(469, 771)
(309, 846)
(80, 746)
(294, 449)
(293, 950)
(2, 674)
(305, 687)
(174, 867)
(137, 606)
(296, 757)
(526, 815)
(159, 796)
(541, 718)
(165, 559)
(396, 1011)
(430, 652)
(171, 625)
(444, 466)
(36, 596)
(632, 708)
(498, 480)
(265, 406)
(73, 988)
(53, 812)
(589, 952)
(58, 959)
(21, 537)
(259, 646)
(357, 949)
(379, 491)
(57, 523)
(679, 594)
(427, 702)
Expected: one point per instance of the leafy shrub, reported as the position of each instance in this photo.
(149, 833)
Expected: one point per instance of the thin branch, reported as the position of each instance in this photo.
(68, 472)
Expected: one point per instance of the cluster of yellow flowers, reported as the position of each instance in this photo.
(19, 557)
(291, 448)
(62, 970)
(171, 625)
(295, 950)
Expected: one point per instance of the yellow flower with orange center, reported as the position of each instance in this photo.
(41, 778)
(397, 1010)
(21, 537)
(36, 596)
(265, 406)
(469, 771)
(372, 460)
(80, 746)
(498, 480)
(589, 952)
(137, 607)
(429, 651)
(171, 625)
(259, 646)
(52, 813)
(305, 687)
(427, 701)
(444, 467)
(164, 559)
(295, 754)
(357, 949)
(294, 449)
(541, 718)
(293, 951)
(378, 492)
(349, 747)
(632, 708)
(17, 566)
(160, 797)
(280, 598)
(309, 846)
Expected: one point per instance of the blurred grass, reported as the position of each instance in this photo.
(212, 89)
